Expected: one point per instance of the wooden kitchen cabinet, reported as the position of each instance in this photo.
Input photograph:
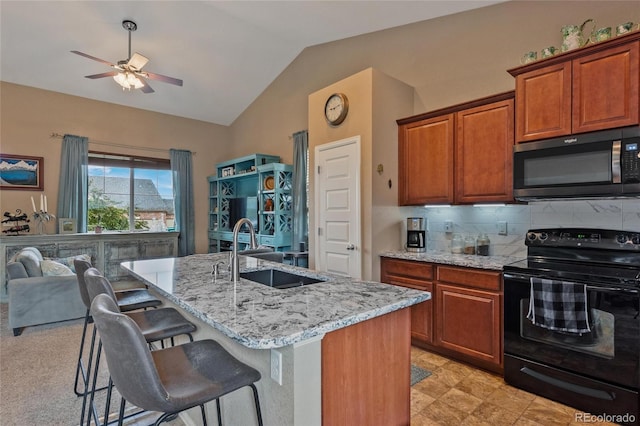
(466, 322)
(417, 275)
(425, 156)
(605, 89)
(468, 316)
(463, 319)
(543, 103)
(484, 139)
(461, 154)
(588, 89)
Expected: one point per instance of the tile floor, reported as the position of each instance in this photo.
(457, 394)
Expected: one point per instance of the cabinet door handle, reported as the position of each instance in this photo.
(351, 247)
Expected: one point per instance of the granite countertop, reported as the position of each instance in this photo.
(494, 263)
(261, 317)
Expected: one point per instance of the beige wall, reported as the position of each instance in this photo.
(375, 99)
(29, 116)
(358, 123)
(391, 98)
(447, 61)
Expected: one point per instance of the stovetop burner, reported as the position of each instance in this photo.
(582, 254)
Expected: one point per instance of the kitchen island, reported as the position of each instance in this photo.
(344, 344)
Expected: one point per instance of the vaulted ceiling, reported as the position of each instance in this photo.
(226, 52)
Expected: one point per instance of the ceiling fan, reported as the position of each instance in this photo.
(128, 73)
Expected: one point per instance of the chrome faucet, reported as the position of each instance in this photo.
(235, 263)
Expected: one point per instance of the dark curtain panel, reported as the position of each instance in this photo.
(181, 169)
(300, 221)
(72, 188)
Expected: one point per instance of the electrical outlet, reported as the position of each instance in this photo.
(502, 227)
(448, 226)
(276, 366)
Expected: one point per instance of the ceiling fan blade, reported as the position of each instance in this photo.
(104, 74)
(93, 57)
(163, 78)
(146, 88)
(137, 61)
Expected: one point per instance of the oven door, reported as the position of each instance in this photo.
(596, 372)
(610, 352)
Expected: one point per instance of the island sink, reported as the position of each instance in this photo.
(279, 279)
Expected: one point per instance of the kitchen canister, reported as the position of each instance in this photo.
(469, 245)
(482, 245)
(457, 244)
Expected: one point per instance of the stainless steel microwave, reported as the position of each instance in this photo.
(604, 164)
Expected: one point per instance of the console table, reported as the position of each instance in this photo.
(107, 250)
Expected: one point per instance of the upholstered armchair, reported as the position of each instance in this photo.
(41, 290)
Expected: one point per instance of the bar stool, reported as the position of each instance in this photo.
(128, 300)
(192, 374)
(156, 326)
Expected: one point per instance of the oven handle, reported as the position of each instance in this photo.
(526, 278)
(594, 393)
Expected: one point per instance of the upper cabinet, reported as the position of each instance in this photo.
(587, 89)
(484, 153)
(461, 154)
(605, 89)
(425, 161)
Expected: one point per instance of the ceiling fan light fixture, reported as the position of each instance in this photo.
(128, 80)
(129, 74)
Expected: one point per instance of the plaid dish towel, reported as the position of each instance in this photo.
(559, 305)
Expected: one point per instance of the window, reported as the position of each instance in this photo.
(129, 193)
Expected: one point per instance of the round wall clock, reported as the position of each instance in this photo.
(336, 108)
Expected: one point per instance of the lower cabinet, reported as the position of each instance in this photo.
(463, 319)
(415, 275)
(468, 322)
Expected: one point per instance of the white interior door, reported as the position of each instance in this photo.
(337, 189)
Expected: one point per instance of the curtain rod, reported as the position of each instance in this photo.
(56, 135)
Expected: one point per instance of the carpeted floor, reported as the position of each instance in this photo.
(37, 372)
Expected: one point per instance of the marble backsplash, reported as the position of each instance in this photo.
(619, 214)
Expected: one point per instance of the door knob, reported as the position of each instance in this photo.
(351, 247)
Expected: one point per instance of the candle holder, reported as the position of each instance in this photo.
(40, 218)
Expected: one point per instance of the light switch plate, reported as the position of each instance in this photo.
(448, 226)
(502, 227)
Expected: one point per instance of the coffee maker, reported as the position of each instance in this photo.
(416, 235)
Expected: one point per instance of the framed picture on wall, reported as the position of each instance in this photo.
(21, 172)
(67, 225)
(227, 171)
